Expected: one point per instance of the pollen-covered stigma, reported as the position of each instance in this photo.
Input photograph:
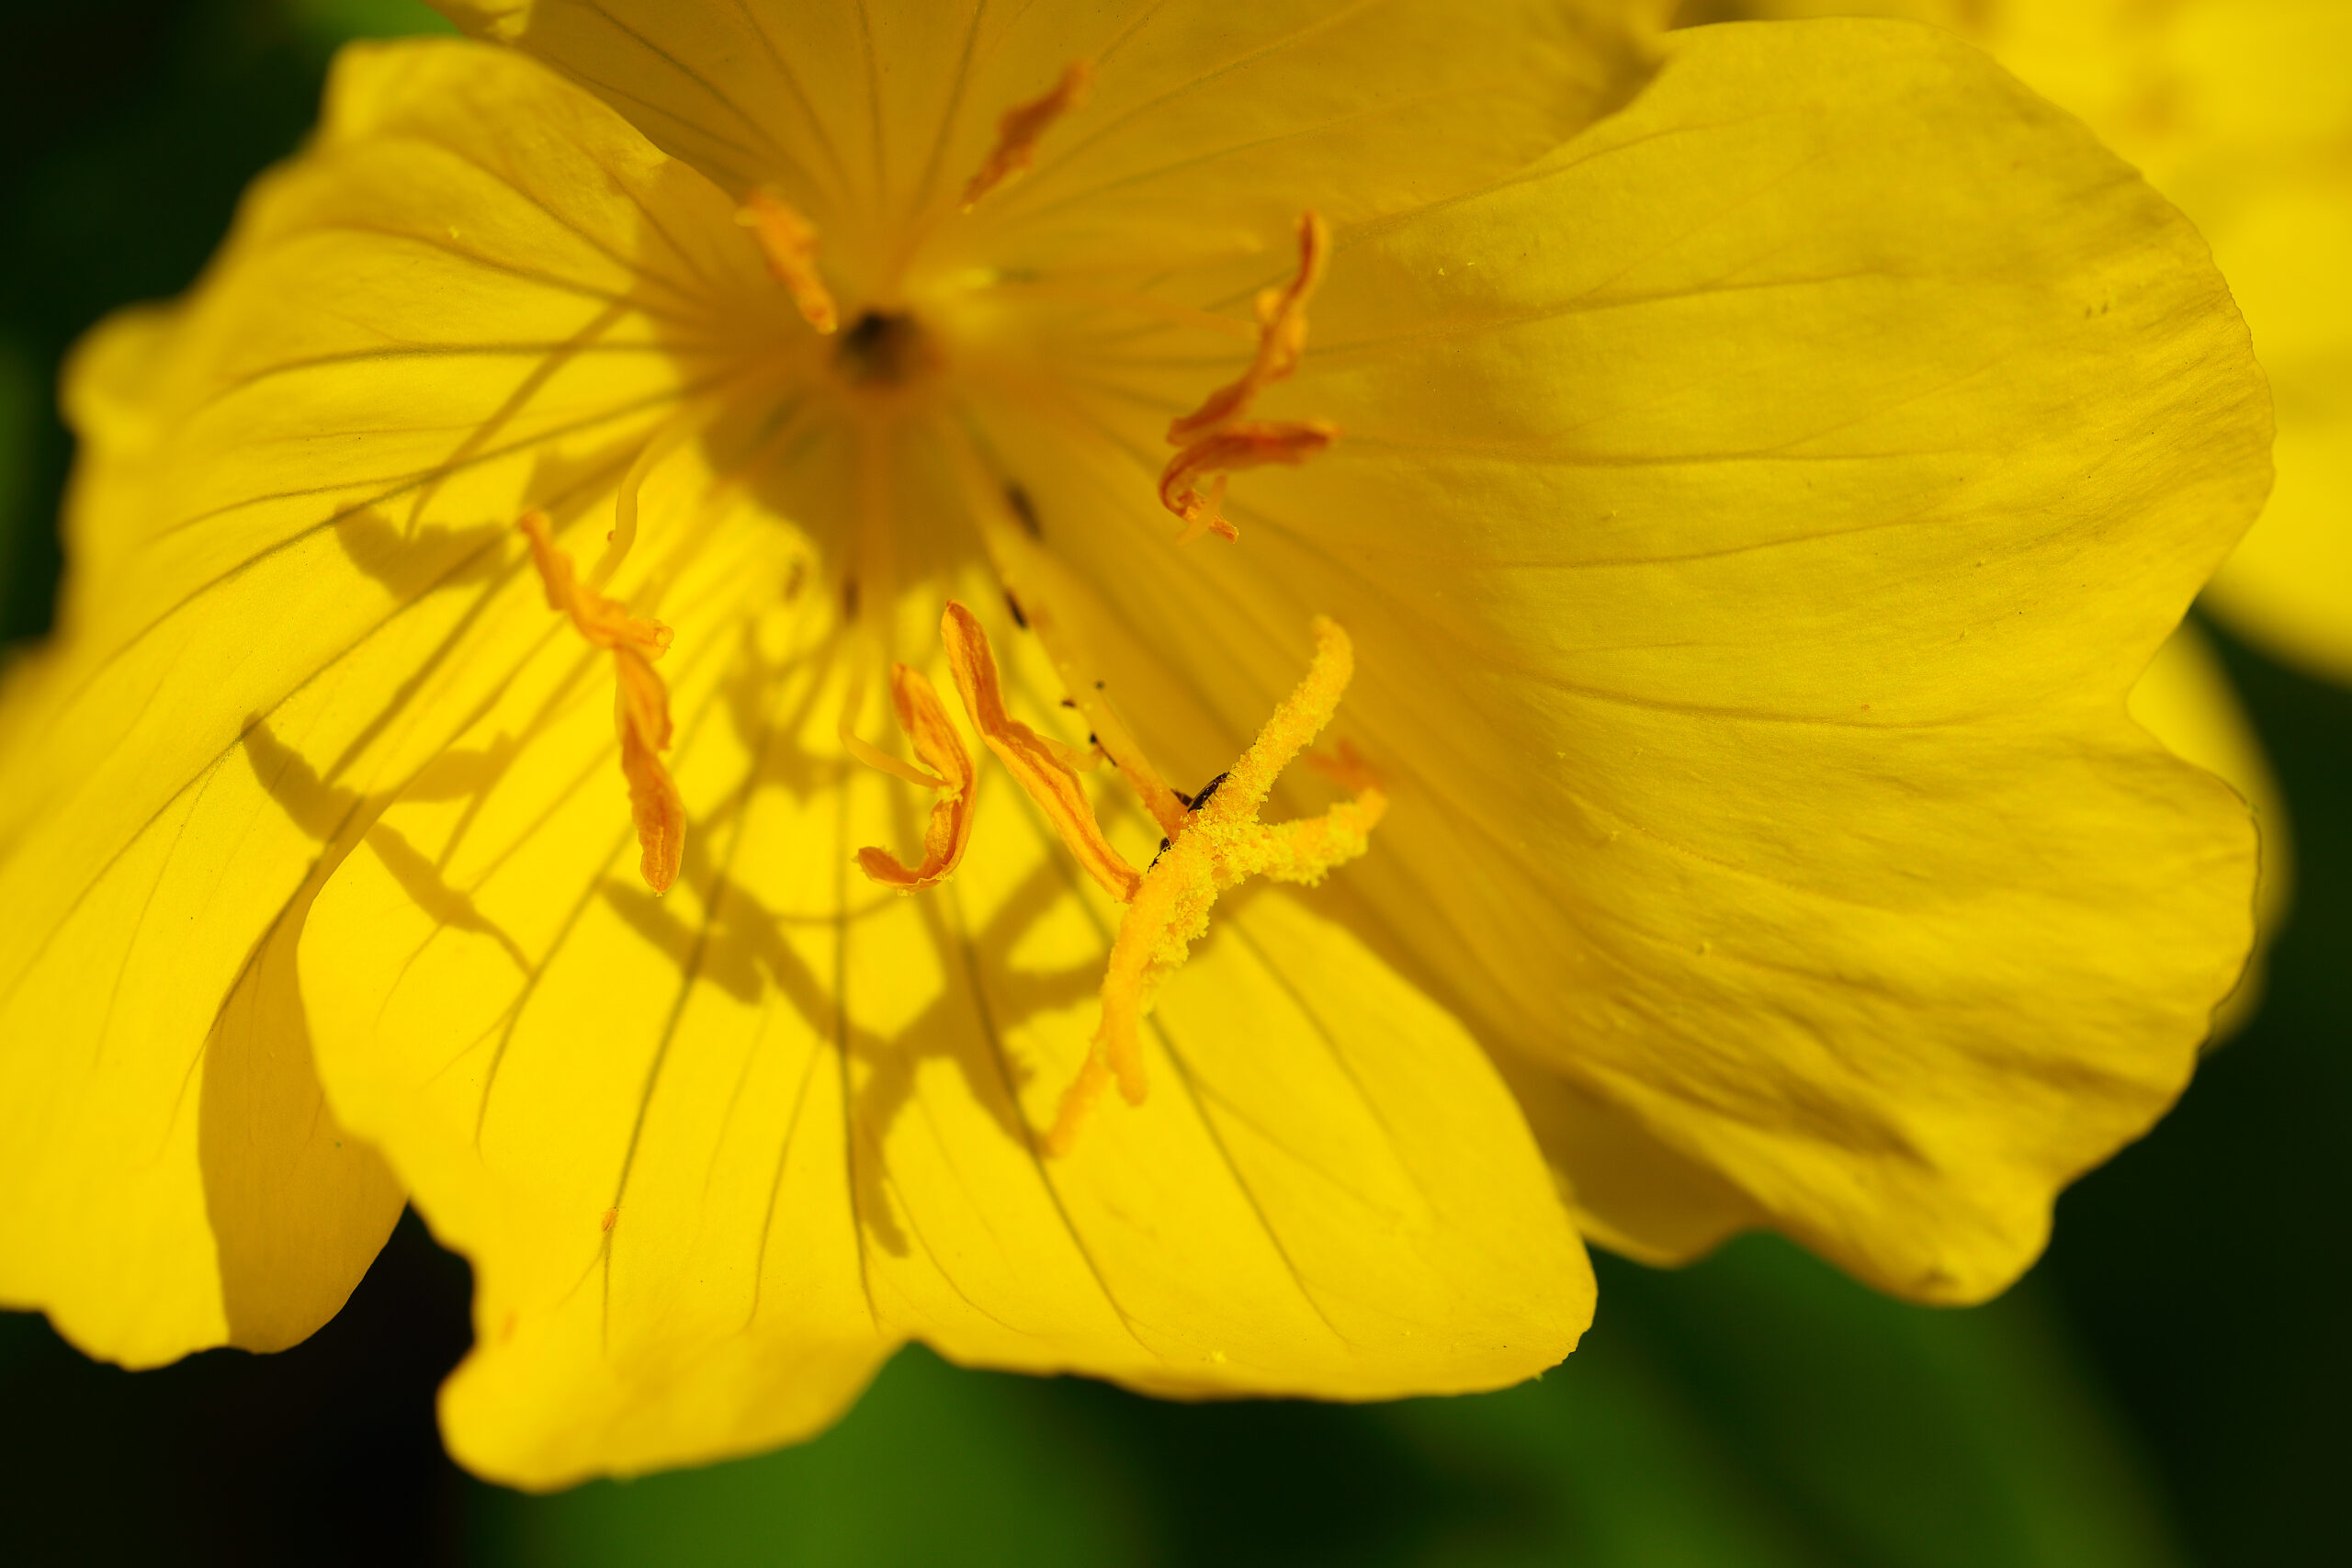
(1215, 840)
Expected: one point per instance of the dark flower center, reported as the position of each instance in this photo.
(881, 350)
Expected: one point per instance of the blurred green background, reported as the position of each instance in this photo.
(2170, 1386)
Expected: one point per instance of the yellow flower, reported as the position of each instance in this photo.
(1716, 502)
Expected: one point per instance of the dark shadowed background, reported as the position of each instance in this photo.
(2171, 1386)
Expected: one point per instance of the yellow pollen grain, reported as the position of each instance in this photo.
(923, 717)
(788, 241)
(1223, 844)
(641, 700)
(1018, 132)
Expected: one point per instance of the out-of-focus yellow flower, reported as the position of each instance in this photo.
(1739, 490)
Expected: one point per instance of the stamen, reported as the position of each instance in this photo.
(1281, 337)
(1249, 444)
(789, 243)
(1222, 844)
(1030, 758)
(641, 702)
(922, 718)
(655, 805)
(671, 433)
(1018, 132)
(1009, 528)
(1215, 438)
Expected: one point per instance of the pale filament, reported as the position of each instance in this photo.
(873, 757)
(1030, 758)
(1037, 581)
(681, 427)
(1111, 735)
(696, 414)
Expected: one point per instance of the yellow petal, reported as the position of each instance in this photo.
(1206, 128)
(1750, 522)
(292, 568)
(2185, 700)
(712, 1155)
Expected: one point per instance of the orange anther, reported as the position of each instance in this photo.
(1216, 438)
(641, 706)
(1281, 337)
(789, 243)
(1246, 443)
(654, 804)
(923, 717)
(1030, 757)
(1017, 132)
